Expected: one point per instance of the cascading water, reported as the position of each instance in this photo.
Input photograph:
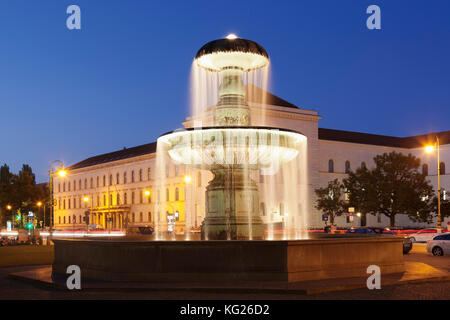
(231, 136)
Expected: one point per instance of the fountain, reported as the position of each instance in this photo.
(232, 149)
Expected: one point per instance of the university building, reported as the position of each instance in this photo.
(118, 189)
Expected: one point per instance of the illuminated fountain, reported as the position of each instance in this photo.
(232, 149)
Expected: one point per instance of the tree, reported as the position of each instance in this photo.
(330, 199)
(395, 186)
(445, 205)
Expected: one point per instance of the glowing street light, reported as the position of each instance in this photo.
(231, 36)
(8, 207)
(187, 179)
(62, 173)
(39, 204)
(147, 193)
(429, 149)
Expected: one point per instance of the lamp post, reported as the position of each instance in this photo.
(430, 149)
(39, 204)
(61, 173)
(9, 208)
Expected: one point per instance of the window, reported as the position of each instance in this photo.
(118, 199)
(64, 187)
(69, 220)
(85, 184)
(425, 169)
(68, 186)
(59, 219)
(64, 219)
(141, 196)
(140, 174)
(104, 181)
(132, 217)
(110, 199)
(91, 185)
(132, 197)
(330, 165)
(347, 166)
(104, 200)
(177, 194)
(74, 185)
(98, 201)
(74, 203)
(125, 200)
(132, 176)
(70, 200)
(442, 168)
(141, 217)
(149, 173)
(59, 187)
(64, 204)
(149, 216)
(363, 165)
(79, 184)
(125, 177)
(176, 171)
(110, 180)
(98, 181)
(117, 178)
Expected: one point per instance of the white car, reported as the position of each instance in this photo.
(423, 235)
(439, 245)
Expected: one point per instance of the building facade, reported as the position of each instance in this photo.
(118, 189)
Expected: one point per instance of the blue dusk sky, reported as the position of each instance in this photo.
(123, 79)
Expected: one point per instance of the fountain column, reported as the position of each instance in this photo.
(232, 199)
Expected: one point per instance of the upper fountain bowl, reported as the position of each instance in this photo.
(232, 52)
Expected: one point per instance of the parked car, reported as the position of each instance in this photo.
(439, 245)
(423, 235)
(407, 243)
(361, 230)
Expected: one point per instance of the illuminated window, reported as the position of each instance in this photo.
(442, 168)
(347, 166)
(425, 169)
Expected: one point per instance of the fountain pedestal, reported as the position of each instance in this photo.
(232, 207)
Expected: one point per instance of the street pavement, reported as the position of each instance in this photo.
(14, 289)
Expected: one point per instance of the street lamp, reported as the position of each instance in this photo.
(430, 149)
(39, 204)
(61, 172)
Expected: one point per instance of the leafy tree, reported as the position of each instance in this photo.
(395, 186)
(330, 199)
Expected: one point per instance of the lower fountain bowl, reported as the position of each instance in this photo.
(221, 261)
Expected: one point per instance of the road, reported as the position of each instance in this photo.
(13, 289)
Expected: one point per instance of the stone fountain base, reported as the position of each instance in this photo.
(221, 261)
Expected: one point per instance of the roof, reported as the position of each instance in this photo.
(256, 94)
(380, 140)
(116, 155)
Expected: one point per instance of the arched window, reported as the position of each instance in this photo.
(330, 165)
(110, 179)
(177, 194)
(442, 168)
(92, 183)
(263, 209)
(85, 184)
(363, 165)
(347, 166)
(425, 169)
(117, 178)
(59, 187)
(104, 181)
(141, 217)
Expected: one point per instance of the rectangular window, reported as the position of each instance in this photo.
(132, 176)
(149, 173)
(125, 177)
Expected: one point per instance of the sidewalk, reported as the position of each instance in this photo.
(415, 272)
